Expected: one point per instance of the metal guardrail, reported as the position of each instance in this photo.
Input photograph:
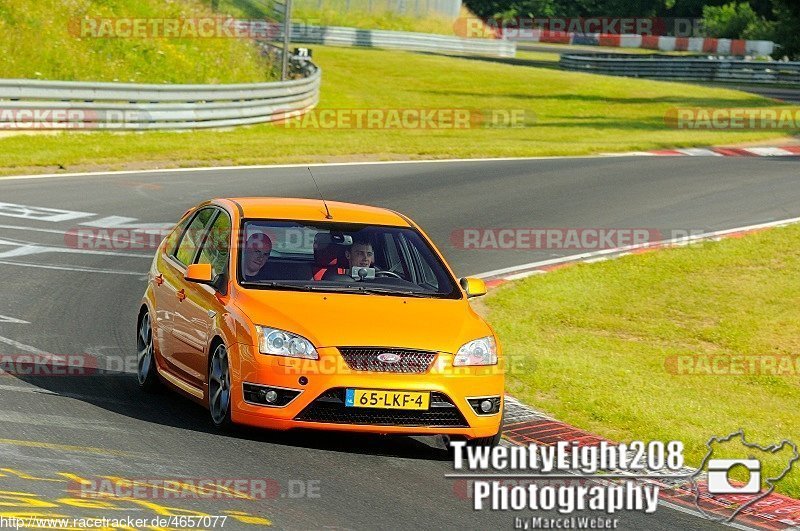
(684, 68)
(401, 40)
(37, 104)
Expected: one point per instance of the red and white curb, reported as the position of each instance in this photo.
(524, 425)
(785, 151)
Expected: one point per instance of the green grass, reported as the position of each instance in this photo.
(37, 44)
(576, 114)
(365, 14)
(591, 342)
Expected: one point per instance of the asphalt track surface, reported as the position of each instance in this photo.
(79, 302)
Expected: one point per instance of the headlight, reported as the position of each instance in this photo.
(281, 343)
(482, 351)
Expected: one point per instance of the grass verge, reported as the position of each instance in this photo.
(617, 348)
(37, 44)
(364, 14)
(573, 114)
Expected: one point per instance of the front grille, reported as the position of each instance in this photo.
(329, 408)
(366, 359)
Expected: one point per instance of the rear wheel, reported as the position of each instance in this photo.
(147, 372)
(219, 388)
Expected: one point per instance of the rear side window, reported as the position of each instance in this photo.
(175, 235)
(190, 241)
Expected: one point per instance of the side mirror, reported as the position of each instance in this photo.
(200, 273)
(474, 287)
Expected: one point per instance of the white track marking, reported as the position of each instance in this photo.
(757, 151)
(7, 319)
(699, 152)
(142, 274)
(769, 151)
(29, 248)
(53, 215)
(32, 229)
(312, 165)
(25, 348)
(121, 222)
(521, 271)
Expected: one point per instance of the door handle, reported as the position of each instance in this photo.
(181, 295)
(159, 280)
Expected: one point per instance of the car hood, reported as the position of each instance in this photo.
(344, 319)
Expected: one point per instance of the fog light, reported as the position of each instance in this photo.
(485, 405)
(262, 395)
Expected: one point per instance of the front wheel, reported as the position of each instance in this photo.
(219, 388)
(147, 371)
(490, 441)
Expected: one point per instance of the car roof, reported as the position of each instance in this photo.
(314, 210)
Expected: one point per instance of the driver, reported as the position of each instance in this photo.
(256, 255)
(360, 254)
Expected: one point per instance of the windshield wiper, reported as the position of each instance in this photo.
(387, 291)
(273, 284)
(361, 290)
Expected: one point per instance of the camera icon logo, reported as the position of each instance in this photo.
(718, 470)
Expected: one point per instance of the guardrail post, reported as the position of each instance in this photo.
(287, 35)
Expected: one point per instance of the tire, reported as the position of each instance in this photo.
(219, 388)
(489, 442)
(146, 368)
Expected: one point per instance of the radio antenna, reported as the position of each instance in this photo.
(327, 210)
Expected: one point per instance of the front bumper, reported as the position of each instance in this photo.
(325, 380)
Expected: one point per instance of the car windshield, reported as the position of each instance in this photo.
(337, 257)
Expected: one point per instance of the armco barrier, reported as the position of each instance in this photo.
(651, 42)
(401, 40)
(36, 104)
(684, 68)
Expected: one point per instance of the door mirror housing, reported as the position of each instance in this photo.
(473, 287)
(199, 273)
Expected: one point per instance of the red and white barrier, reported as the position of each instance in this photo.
(650, 42)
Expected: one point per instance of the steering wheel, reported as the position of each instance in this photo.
(387, 273)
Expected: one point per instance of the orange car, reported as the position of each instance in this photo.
(290, 313)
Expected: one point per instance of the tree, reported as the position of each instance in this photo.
(728, 21)
(787, 22)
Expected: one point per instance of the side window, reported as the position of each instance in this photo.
(216, 246)
(174, 236)
(187, 249)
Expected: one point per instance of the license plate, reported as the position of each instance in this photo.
(387, 399)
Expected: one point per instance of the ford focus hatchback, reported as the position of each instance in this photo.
(290, 313)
